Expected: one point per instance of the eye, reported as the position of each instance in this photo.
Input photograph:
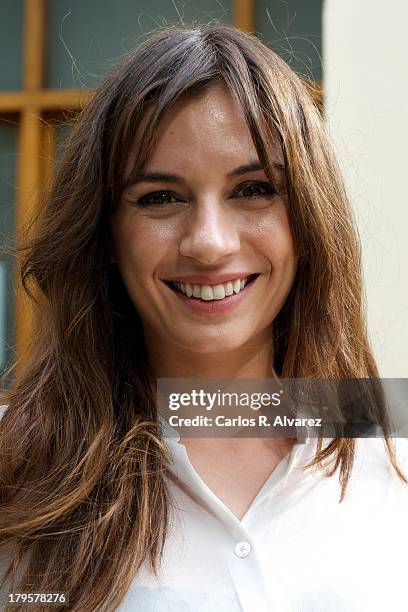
(250, 190)
(158, 198)
(257, 189)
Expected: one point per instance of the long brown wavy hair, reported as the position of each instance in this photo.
(83, 491)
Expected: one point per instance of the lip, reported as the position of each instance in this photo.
(209, 279)
(214, 307)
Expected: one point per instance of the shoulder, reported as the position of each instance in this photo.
(374, 450)
(373, 466)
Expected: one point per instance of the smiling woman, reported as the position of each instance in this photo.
(197, 228)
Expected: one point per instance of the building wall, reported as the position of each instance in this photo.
(366, 109)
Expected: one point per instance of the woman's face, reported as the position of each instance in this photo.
(201, 219)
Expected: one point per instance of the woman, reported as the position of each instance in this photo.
(201, 161)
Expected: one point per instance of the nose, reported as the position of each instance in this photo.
(210, 233)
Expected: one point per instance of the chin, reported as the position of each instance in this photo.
(208, 345)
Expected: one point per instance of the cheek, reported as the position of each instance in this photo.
(141, 244)
(271, 234)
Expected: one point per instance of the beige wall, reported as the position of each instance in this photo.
(366, 92)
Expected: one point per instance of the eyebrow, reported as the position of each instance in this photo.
(158, 176)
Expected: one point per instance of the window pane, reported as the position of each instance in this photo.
(8, 143)
(85, 36)
(294, 30)
(11, 28)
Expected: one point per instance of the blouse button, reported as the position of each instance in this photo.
(242, 549)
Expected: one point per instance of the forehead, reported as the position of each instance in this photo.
(211, 122)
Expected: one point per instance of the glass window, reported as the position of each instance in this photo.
(84, 37)
(11, 31)
(294, 30)
(8, 142)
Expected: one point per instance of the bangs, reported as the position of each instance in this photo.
(193, 79)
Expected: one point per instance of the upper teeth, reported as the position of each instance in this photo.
(212, 292)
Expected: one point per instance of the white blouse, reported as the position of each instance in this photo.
(296, 549)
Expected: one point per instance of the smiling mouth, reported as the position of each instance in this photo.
(212, 292)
